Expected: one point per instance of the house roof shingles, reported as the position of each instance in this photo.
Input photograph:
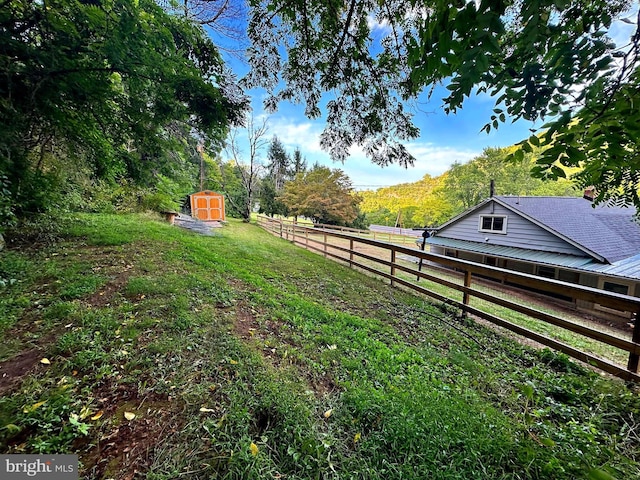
(609, 231)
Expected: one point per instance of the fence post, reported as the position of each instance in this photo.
(324, 235)
(467, 283)
(632, 365)
(351, 253)
(393, 265)
(280, 222)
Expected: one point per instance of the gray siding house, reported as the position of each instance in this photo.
(565, 238)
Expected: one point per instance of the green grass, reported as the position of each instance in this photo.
(243, 356)
(576, 340)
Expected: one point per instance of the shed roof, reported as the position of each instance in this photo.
(206, 192)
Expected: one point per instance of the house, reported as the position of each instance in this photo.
(564, 238)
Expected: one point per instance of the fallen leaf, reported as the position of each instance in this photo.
(254, 449)
(45, 361)
(129, 415)
(233, 362)
(356, 438)
(328, 413)
(97, 415)
(33, 407)
(206, 410)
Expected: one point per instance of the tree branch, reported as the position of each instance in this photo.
(343, 37)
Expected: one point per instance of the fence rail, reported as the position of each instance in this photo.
(317, 239)
(392, 235)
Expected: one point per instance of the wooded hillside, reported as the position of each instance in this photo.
(433, 200)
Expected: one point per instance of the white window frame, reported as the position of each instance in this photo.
(484, 230)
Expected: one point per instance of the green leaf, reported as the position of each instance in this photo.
(527, 390)
(547, 442)
(518, 155)
(598, 474)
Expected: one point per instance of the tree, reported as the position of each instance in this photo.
(224, 18)
(269, 202)
(106, 88)
(247, 172)
(278, 163)
(416, 204)
(468, 184)
(299, 164)
(322, 194)
(540, 59)
(278, 172)
(226, 177)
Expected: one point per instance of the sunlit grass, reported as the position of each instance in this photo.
(244, 356)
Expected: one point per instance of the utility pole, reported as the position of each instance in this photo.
(200, 150)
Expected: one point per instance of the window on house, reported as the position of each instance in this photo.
(547, 272)
(615, 288)
(493, 223)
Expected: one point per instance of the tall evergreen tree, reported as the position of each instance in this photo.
(299, 163)
(278, 164)
(278, 172)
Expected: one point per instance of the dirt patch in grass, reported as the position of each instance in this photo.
(13, 370)
(106, 295)
(246, 323)
(126, 448)
(27, 361)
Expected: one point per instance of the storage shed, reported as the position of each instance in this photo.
(207, 206)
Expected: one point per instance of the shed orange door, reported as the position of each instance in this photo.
(207, 206)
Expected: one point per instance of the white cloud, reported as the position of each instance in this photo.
(304, 134)
(430, 159)
(435, 160)
(376, 26)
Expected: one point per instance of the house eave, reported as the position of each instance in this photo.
(628, 269)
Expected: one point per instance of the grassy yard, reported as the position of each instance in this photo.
(155, 353)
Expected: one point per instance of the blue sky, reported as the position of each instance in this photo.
(444, 139)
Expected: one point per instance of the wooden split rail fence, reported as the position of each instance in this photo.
(324, 240)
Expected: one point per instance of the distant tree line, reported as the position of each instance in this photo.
(432, 201)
